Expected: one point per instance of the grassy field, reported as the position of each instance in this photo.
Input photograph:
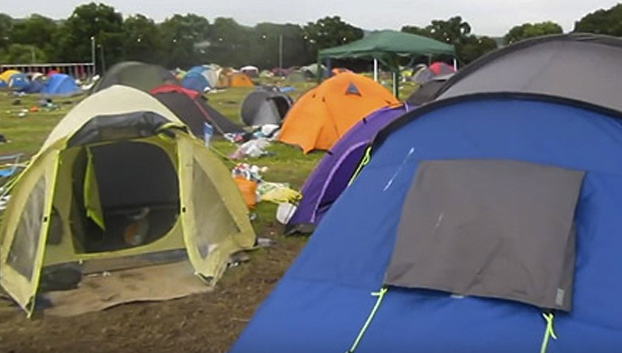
(186, 324)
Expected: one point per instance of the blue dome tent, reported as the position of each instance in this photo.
(61, 85)
(485, 221)
(19, 82)
(195, 81)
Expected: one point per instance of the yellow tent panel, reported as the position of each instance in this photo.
(118, 180)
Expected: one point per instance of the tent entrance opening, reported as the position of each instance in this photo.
(124, 195)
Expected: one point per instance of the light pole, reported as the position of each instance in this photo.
(280, 55)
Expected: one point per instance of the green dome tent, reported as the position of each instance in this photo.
(144, 77)
(118, 156)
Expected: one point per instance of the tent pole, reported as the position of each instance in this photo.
(455, 64)
(375, 69)
(396, 84)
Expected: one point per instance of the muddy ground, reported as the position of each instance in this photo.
(200, 323)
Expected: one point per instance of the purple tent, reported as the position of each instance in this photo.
(331, 176)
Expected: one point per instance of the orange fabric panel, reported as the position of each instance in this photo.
(324, 114)
(241, 80)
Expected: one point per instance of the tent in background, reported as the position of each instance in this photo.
(437, 69)
(325, 113)
(264, 106)
(144, 77)
(232, 79)
(6, 75)
(195, 81)
(89, 196)
(60, 85)
(427, 91)
(332, 174)
(249, 70)
(193, 109)
(19, 82)
(485, 221)
(385, 46)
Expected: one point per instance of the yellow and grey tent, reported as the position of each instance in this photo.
(118, 180)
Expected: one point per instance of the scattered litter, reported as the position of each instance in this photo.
(284, 212)
(249, 172)
(248, 188)
(264, 242)
(253, 148)
(267, 131)
(278, 193)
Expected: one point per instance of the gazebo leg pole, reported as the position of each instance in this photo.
(376, 70)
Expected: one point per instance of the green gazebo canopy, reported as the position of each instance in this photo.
(385, 45)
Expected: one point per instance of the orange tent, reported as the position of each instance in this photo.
(324, 114)
(230, 78)
(239, 79)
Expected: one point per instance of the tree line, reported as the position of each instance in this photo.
(187, 40)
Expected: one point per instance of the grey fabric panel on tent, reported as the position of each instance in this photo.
(492, 228)
(541, 66)
(264, 107)
(118, 127)
(425, 93)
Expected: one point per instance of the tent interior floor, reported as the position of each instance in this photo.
(170, 326)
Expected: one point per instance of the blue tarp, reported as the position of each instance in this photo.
(60, 84)
(324, 299)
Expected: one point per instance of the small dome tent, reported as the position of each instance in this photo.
(331, 175)
(118, 156)
(265, 106)
(193, 109)
(484, 221)
(144, 77)
(325, 113)
(60, 84)
(195, 81)
(19, 82)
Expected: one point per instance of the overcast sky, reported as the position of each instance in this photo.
(487, 17)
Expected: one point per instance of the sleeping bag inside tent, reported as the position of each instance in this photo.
(194, 110)
(325, 113)
(485, 221)
(119, 180)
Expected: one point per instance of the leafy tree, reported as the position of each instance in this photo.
(230, 42)
(530, 30)
(421, 31)
(141, 40)
(184, 39)
(602, 22)
(38, 31)
(22, 54)
(456, 32)
(473, 47)
(6, 26)
(97, 21)
(330, 32)
(453, 31)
